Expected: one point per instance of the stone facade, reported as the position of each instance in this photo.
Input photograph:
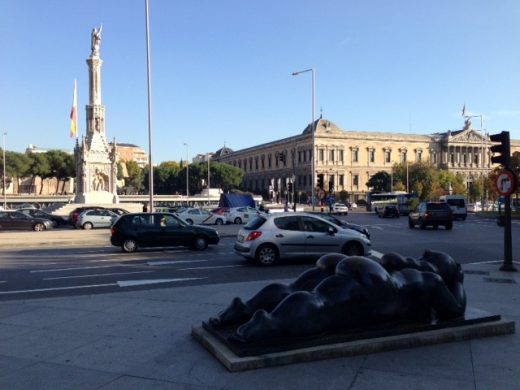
(349, 158)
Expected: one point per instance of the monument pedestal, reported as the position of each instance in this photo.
(95, 197)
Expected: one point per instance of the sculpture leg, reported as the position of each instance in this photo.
(239, 312)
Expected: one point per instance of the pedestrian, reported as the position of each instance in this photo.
(145, 208)
(286, 207)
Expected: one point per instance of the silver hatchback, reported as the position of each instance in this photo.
(268, 238)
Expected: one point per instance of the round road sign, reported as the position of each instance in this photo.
(506, 183)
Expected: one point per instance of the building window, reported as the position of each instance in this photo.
(372, 155)
(355, 180)
(355, 156)
(331, 156)
(452, 158)
(434, 157)
(403, 156)
(388, 156)
(321, 155)
(341, 156)
(419, 156)
(269, 161)
(341, 180)
(256, 163)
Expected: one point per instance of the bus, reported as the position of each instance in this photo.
(457, 204)
(377, 200)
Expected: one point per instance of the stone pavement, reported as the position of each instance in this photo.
(141, 340)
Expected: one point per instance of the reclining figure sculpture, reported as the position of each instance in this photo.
(342, 293)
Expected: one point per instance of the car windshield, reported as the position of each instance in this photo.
(255, 223)
(437, 206)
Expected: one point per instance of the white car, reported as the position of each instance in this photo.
(201, 217)
(339, 208)
(238, 215)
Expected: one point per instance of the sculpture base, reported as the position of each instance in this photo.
(94, 197)
(236, 356)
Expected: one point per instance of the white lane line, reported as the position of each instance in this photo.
(75, 268)
(376, 254)
(129, 283)
(489, 262)
(173, 262)
(215, 267)
(95, 275)
(55, 289)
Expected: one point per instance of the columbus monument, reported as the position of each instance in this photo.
(96, 165)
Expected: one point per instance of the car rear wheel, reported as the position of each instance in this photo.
(129, 245)
(449, 226)
(422, 225)
(200, 243)
(411, 225)
(87, 226)
(219, 221)
(353, 248)
(39, 227)
(267, 255)
(237, 221)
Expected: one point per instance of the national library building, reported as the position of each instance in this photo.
(348, 159)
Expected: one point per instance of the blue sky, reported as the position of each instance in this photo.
(221, 70)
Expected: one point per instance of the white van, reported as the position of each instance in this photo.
(457, 204)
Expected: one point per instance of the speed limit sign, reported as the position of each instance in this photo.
(506, 182)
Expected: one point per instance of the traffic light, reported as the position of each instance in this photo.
(320, 181)
(289, 187)
(503, 148)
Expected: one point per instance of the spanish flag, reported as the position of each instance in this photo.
(74, 114)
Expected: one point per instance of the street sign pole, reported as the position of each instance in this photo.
(506, 184)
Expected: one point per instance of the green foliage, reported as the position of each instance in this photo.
(380, 181)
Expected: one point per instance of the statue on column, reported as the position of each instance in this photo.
(95, 40)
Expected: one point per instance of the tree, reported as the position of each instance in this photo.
(226, 176)
(380, 181)
(39, 167)
(62, 166)
(16, 166)
(134, 182)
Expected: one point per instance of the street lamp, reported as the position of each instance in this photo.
(313, 101)
(149, 79)
(482, 162)
(187, 172)
(5, 194)
(208, 179)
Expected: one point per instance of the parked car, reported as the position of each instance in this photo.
(16, 220)
(268, 238)
(431, 214)
(339, 209)
(74, 214)
(344, 224)
(198, 216)
(96, 218)
(118, 210)
(389, 211)
(133, 231)
(57, 220)
(238, 215)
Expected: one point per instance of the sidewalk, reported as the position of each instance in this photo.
(141, 340)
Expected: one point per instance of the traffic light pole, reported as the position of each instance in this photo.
(506, 185)
(507, 265)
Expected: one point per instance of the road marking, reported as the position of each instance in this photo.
(490, 262)
(74, 268)
(173, 262)
(129, 283)
(94, 275)
(215, 267)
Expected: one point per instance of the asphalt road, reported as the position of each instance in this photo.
(96, 267)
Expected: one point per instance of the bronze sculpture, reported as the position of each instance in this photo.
(343, 292)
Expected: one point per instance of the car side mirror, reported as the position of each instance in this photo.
(332, 231)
